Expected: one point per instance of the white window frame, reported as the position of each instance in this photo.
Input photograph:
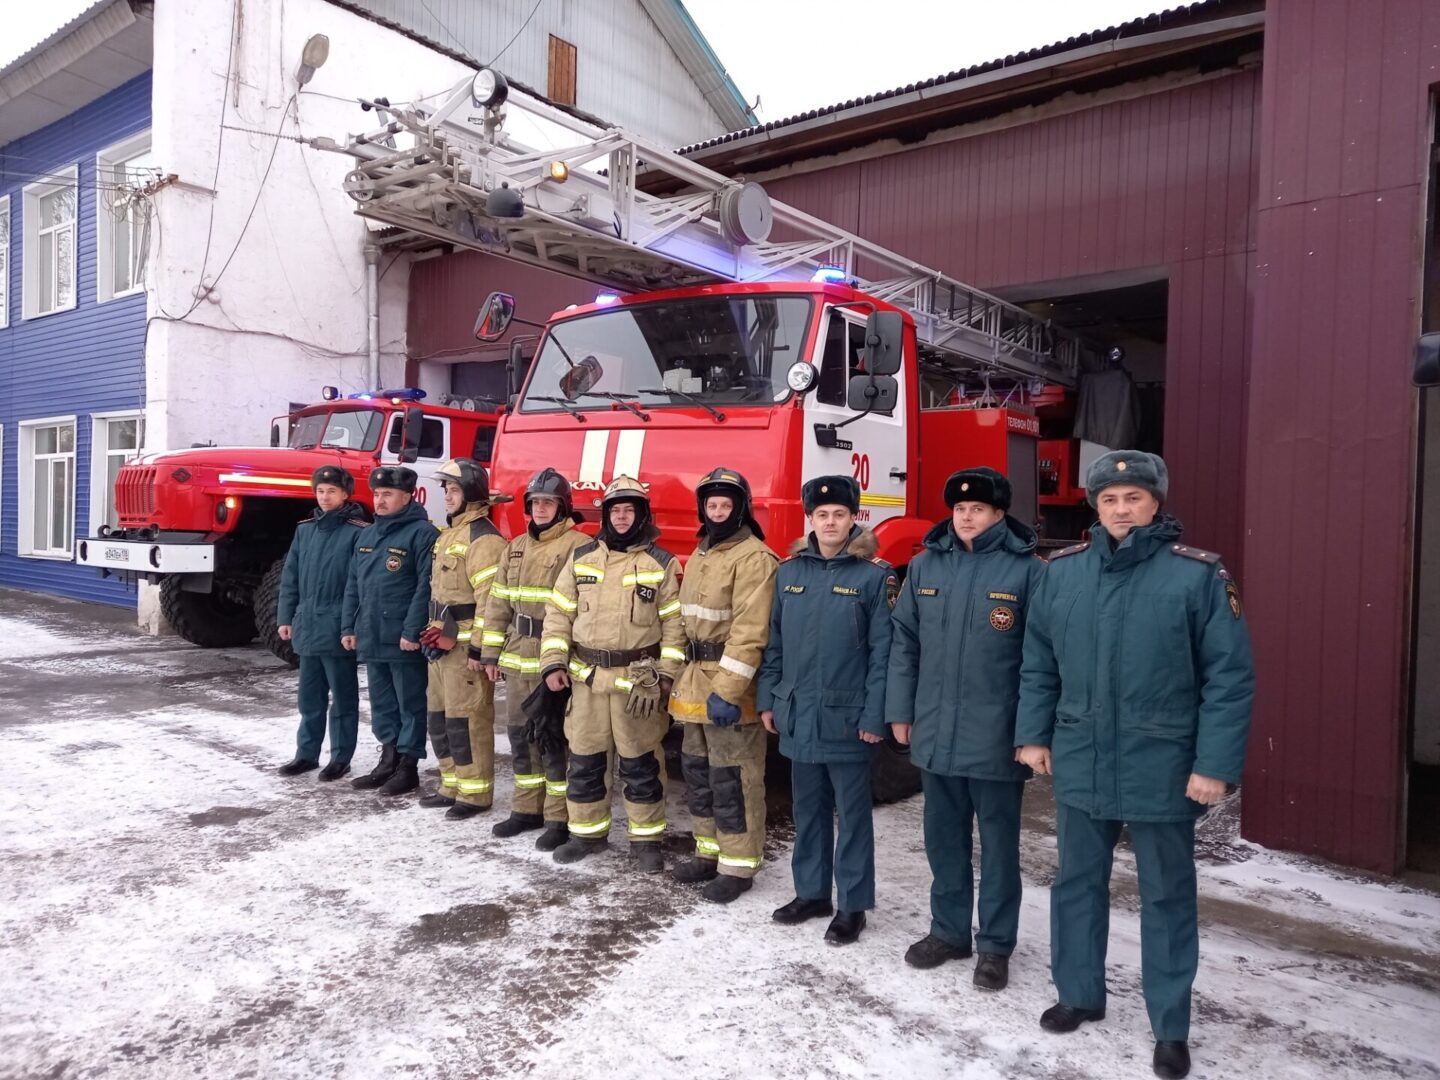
(100, 453)
(7, 243)
(105, 161)
(66, 176)
(25, 489)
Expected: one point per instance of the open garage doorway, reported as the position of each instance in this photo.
(1120, 403)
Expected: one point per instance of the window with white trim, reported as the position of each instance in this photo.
(115, 439)
(48, 254)
(4, 260)
(122, 222)
(47, 487)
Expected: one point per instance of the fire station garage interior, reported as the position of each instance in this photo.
(1120, 402)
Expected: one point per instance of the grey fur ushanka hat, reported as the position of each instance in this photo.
(1134, 467)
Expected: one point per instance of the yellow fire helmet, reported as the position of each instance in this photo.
(624, 487)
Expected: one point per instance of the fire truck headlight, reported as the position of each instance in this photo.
(801, 376)
(489, 89)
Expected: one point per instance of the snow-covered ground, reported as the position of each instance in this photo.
(171, 908)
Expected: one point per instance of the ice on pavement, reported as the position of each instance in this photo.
(172, 908)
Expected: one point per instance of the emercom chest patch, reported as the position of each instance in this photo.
(795, 588)
(845, 590)
(1005, 596)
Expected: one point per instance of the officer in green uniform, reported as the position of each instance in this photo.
(312, 589)
(1135, 692)
(387, 605)
(954, 679)
(822, 689)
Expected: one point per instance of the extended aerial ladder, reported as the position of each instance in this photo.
(453, 173)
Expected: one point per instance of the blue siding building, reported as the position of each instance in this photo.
(72, 336)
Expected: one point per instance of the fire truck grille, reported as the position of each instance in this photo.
(135, 494)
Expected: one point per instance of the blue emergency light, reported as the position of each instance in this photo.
(607, 298)
(830, 274)
(407, 394)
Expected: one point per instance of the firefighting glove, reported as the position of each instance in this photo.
(647, 697)
(429, 634)
(432, 653)
(720, 712)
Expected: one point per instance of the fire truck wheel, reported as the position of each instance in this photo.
(267, 604)
(210, 620)
(892, 776)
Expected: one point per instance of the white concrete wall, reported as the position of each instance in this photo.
(288, 315)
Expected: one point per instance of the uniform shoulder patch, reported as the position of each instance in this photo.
(307, 521)
(359, 523)
(660, 555)
(1073, 549)
(1199, 554)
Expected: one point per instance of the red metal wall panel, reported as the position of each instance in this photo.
(1330, 446)
(1165, 180)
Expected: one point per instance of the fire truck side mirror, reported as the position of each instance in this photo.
(495, 315)
(873, 393)
(410, 434)
(884, 333)
(1427, 360)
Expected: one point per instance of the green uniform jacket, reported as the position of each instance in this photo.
(823, 671)
(312, 585)
(1137, 673)
(387, 595)
(955, 657)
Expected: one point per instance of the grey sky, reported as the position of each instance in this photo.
(797, 55)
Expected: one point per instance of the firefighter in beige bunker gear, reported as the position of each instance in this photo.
(613, 632)
(460, 702)
(510, 648)
(725, 600)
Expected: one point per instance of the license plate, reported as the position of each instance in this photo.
(116, 554)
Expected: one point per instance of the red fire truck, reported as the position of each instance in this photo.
(211, 525)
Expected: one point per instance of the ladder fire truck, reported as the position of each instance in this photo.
(731, 329)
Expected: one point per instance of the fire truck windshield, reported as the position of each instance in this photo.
(343, 429)
(713, 350)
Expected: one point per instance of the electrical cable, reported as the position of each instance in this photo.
(512, 41)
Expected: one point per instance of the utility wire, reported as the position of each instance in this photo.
(512, 41)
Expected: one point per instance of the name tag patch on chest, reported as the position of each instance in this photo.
(586, 579)
(365, 550)
(844, 590)
(927, 592)
(795, 588)
(1005, 596)
(646, 593)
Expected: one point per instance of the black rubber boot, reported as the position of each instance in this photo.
(556, 833)
(384, 769)
(574, 849)
(931, 952)
(516, 824)
(406, 776)
(649, 858)
(992, 971)
(296, 766)
(693, 871)
(1172, 1059)
(462, 810)
(436, 800)
(334, 770)
(726, 888)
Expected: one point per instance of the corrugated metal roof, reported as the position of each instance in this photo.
(1172, 17)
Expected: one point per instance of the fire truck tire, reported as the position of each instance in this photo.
(209, 620)
(892, 775)
(267, 603)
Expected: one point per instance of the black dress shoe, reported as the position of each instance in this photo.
(436, 800)
(1172, 1059)
(992, 971)
(296, 766)
(845, 928)
(334, 771)
(693, 871)
(725, 888)
(1061, 1018)
(462, 810)
(556, 833)
(931, 952)
(800, 909)
(516, 824)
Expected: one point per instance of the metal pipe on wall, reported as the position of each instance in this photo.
(372, 316)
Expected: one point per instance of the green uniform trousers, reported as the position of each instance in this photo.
(329, 685)
(952, 806)
(1080, 914)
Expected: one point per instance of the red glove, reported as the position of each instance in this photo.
(429, 635)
